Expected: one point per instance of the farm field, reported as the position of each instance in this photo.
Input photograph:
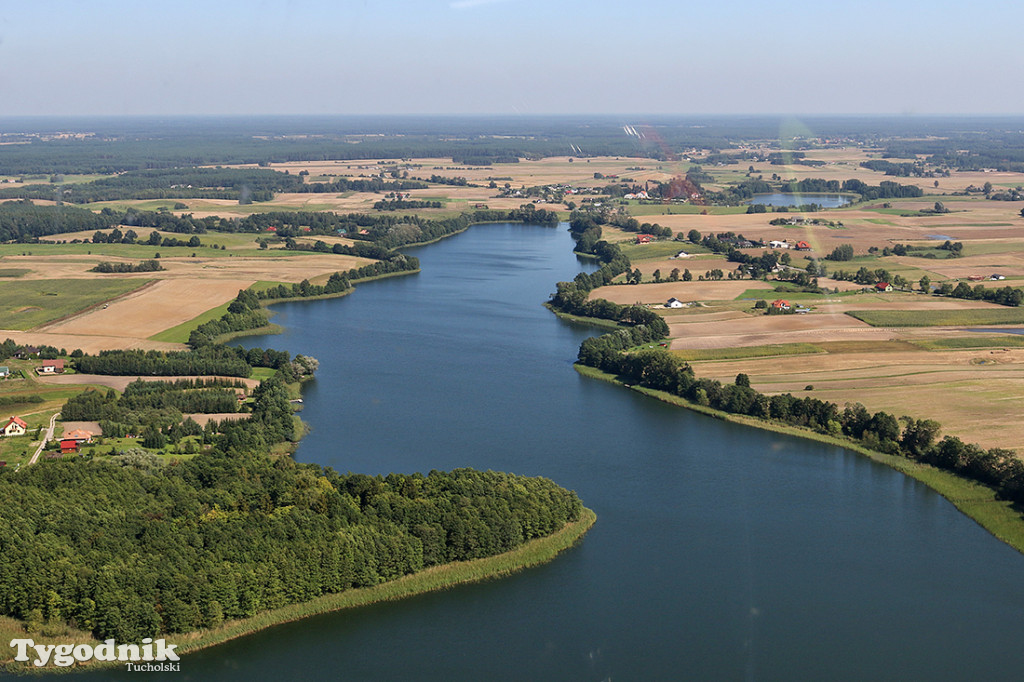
(198, 282)
(56, 298)
(28, 304)
(907, 354)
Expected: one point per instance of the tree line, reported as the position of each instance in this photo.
(256, 184)
(915, 439)
(144, 266)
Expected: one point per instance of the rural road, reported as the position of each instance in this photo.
(47, 437)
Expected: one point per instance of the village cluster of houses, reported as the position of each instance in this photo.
(784, 306)
(798, 246)
(70, 442)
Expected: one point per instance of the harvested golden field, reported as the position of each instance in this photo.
(268, 267)
(203, 419)
(121, 382)
(685, 291)
(151, 309)
(89, 344)
(975, 394)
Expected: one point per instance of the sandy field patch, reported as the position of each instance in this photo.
(121, 382)
(94, 427)
(203, 419)
(267, 268)
(89, 344)
(1006, 264)
(151, 309)
(756, 330)
(722, 290)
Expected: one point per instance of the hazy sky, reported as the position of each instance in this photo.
(66, 57)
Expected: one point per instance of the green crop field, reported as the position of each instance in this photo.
(11, 273)
(996, 341)
(939, 318)
(658, 250)
(744, 352)
(28, 304)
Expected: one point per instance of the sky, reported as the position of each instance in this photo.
(509, 57)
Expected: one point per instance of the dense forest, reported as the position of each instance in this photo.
(206, 361)
(251, 184)
(22, 221)
(144, 547)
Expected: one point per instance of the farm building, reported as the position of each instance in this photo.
(778, 245)
(883, 286)
(644, 238)
(52, 367)
(15, 427)
(5, 371)
(780, 304)
(68, 445)
(79, 435)
(674, 303)
(803, 246)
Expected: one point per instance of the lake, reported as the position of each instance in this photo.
(720, 552)
(785, 199)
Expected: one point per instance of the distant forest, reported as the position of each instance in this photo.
(138, 144)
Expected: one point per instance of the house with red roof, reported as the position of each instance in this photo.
(883, 286)
(15, 427)
(644, 238)
(52, 367)
(780, 304)
(68, 445)
(803, 246)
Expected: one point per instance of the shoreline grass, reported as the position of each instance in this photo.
(433, 579)
(976, 501)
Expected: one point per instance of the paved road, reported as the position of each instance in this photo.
(47, 437)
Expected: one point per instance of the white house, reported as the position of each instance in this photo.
(15, 427)
(675, 303)
(4, 371)
(778, 245)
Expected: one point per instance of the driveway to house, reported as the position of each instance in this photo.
(46, 438)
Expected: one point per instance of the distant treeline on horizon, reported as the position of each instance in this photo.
(55, 145)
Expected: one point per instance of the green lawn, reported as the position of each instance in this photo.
(939, 318)
(659, 251)
(28, 304)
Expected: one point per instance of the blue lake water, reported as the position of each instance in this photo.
(720, 552)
